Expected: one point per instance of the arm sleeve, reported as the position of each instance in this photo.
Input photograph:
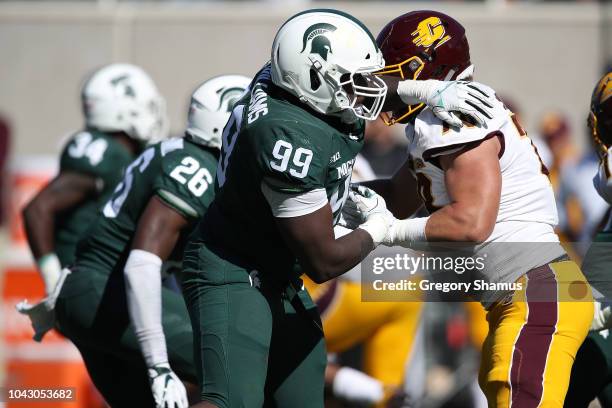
(143, 290)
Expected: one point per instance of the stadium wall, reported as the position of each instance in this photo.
(542, 55)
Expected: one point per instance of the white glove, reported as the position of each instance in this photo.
(42, 314)
(601, 317)
(168, 390)
(50, 268)
(357, 387)
(367, 210)
(444, 97)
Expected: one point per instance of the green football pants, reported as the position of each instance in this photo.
(592, 371)
(92, 312)
(258, 342)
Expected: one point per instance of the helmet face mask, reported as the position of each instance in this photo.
(600, 115)
(123, 98)
(362, 93)
(327, 59)
(210, 108)
(422, 45)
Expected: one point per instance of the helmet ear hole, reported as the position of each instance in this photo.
(315, 82)
(216, 130)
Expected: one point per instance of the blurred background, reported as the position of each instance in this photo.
(542, 57)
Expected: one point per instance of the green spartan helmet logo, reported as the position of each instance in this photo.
(228, 98)
(320, 43)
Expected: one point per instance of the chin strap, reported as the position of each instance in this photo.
(296, 89)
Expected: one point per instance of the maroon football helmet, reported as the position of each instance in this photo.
(425, 45)
(600, 116)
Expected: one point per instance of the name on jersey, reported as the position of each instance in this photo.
(345, 168)
(258, 106)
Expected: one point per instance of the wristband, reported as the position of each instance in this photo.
(405, 232)
(412, 92)
(50, 269)
(377, 227)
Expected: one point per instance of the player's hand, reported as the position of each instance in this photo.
(445, 98)
(602, 318)
(41, 317)
(468, 98)
(42, 314)
(363, 203)
(367, 210)
(168, 390)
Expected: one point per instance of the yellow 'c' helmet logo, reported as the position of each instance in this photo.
(605, 88)
(429, 31)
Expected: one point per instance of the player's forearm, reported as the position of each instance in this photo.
(455, 222)
(335, 258)
(39, 226)
(143, 290)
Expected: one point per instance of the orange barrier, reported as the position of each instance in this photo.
(55, 362)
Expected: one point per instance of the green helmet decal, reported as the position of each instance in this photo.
(319, 42)
(229, 97)
(121, 81)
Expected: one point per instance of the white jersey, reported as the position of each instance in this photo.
(603, 182)
(527, 210)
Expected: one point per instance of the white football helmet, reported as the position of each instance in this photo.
(123, 97)
(326, 58)
(211, 106)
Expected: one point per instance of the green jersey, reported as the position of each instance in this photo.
(98, 155)
(274, 142)
(177, 171)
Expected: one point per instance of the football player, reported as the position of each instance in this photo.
(592, 371)
(283, 176)
(112, 305)
(484, 185)
(123, 110)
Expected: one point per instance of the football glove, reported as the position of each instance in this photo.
(601, 317)
(168, 390)
(367, 210)
(445, 97)
(42, 314)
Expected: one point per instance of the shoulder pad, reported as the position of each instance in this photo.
(434, 138)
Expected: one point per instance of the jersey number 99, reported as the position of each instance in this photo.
(282, 153)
